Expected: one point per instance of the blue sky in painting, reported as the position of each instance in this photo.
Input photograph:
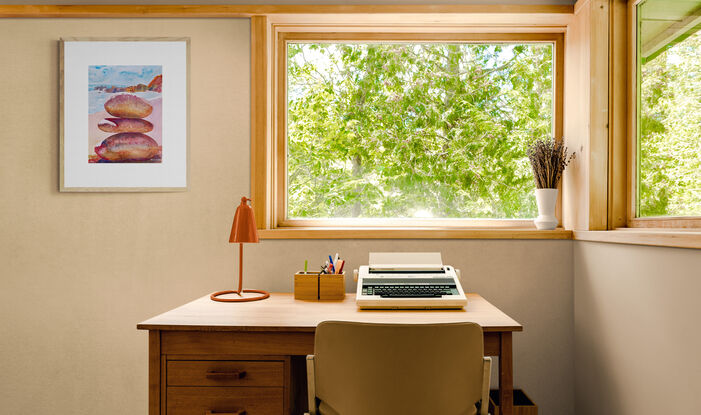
(121, 75)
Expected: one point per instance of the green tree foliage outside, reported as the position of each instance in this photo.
(670, 131)
(415, 130)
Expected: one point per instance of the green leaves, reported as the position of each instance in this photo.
(670, 132)
(395, 130)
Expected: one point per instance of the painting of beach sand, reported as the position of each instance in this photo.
(125, 117)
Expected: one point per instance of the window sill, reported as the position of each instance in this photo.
(410, 233)
(675, 238)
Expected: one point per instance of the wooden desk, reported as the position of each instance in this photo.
(254, 352)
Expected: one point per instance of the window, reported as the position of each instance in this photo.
(668, 111)
(387, 129)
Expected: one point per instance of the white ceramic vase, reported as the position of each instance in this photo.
(546, 199)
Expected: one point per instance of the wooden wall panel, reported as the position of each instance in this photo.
(586, 183)
(575, 181)
(618, 117)
(599, 115)
(260, 162)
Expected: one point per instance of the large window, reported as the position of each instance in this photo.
(669, 108)
(414, 130)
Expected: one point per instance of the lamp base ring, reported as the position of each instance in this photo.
(263, 295)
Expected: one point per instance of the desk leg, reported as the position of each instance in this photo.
(154, 372)
(506, 374)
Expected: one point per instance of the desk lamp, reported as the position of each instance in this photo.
(242, 231)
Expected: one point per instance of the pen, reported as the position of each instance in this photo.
(340, 267)
(335, 261)
(331, 263)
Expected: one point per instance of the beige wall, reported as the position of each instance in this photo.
(637, 341)
(80, 270)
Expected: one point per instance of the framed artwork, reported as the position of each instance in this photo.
(124, 114)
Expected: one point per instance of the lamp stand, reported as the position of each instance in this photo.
(263, 294)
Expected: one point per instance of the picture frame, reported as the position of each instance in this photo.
(124, 114)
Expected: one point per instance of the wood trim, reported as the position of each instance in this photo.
(559, 110)
(618, 115)
(292, 36)
(260, 191)
(598, 116)
(559, 85)
(666, 222)
(632, 95)
(135, 11)
(402, 23)
(279, 151)
(677, 238)
(410, 233)
(280, 116)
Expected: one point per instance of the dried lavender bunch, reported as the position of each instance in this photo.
(548, 158)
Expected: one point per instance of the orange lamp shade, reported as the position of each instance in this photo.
(244, 229)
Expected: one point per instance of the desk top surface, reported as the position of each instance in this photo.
(281, 312)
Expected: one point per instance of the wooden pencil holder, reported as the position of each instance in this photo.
(307, 286)
(313, 286)
(332, 286)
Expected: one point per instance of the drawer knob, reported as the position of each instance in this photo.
(231, 374)
(210, 412)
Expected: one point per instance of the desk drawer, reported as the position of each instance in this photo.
(224, 373)
(224, 400)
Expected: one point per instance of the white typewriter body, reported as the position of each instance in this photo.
(408, 280)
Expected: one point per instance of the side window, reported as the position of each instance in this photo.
(668, 108)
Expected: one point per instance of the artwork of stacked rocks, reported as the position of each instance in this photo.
(129, 143)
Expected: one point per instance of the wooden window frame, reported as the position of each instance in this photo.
(622, 225)
(270, 151)
(633, 221)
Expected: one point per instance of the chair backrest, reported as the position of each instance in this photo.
(403, 369)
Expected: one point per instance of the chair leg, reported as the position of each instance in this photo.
(486, 380)
(311, 385)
